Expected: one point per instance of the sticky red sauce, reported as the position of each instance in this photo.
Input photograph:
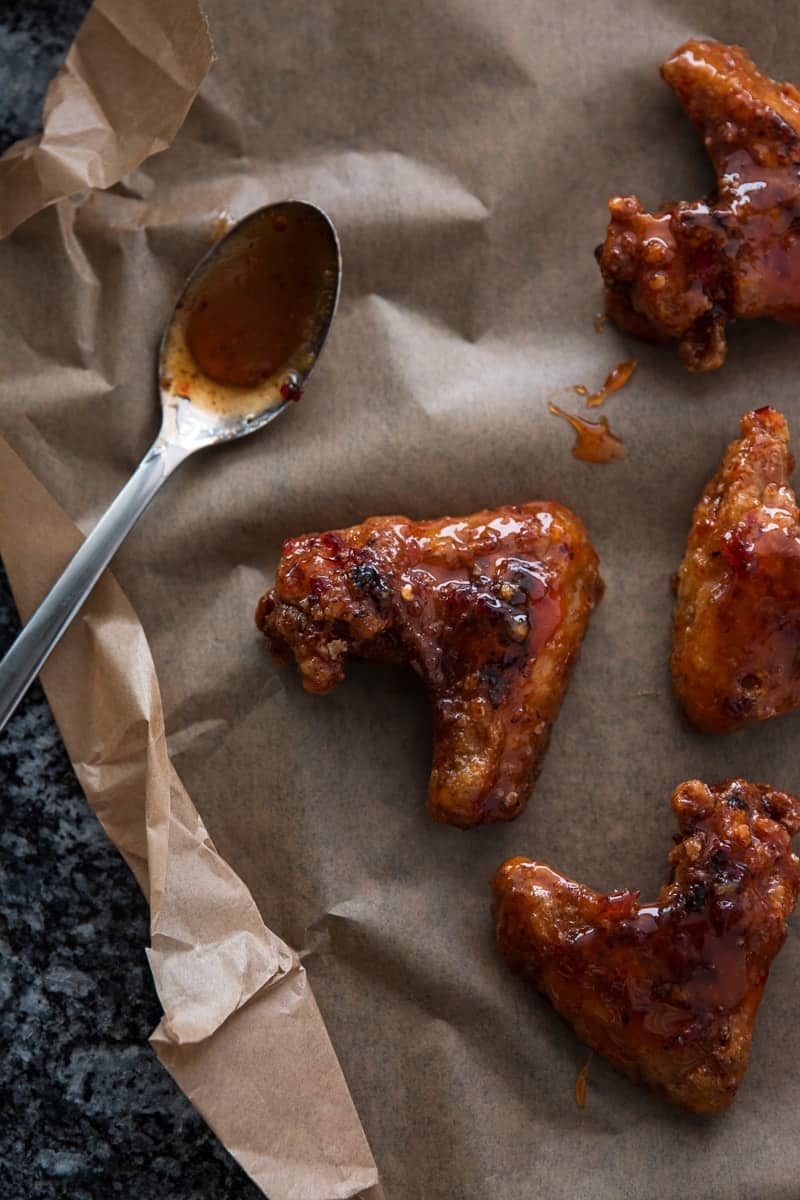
(668, 991)
(617, 378)
(290, 390)
(594, 442)
(258, 302)
(685, 272)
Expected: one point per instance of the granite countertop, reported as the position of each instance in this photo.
(87, 1110)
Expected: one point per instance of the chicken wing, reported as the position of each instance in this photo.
(489, 609)
(685, 271)
(736, 627)
(667, 992)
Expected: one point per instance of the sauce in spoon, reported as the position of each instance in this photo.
(221, 377)
(251, 321)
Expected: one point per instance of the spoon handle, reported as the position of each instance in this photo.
(29, 652)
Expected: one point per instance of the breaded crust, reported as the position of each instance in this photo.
(667, 992)
(489, 609)
(736, 626)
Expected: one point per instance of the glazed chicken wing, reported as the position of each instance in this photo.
(736, 628)
(489, 609)
(667, 992)
(685, 271)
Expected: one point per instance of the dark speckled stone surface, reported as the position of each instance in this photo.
(87, 1111)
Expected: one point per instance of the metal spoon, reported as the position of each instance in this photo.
(243, 339)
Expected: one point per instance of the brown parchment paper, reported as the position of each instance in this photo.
(121, 96)
(465, 152)
(237, 1005)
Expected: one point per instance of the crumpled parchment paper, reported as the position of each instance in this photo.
(466, 153)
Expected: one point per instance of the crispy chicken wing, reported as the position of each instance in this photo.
(684, 272)
(667, 992)
(736, 627)
(489, 609)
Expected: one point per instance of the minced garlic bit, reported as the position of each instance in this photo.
(520, 628)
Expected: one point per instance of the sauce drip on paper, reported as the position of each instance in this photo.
(617, 378)
(595, 443)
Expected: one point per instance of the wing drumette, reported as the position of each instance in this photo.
(684, 272)
(489, 609)
(736, 628)
(667, 992)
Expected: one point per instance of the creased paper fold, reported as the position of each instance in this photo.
(121, 95)
(240, 1023)
(466, 153)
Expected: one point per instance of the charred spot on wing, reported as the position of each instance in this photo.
(718, 860)
(739, 706)
(735, 799)
(695, 898)
(772, 810)
(728, 876)
(496, 683)
(367, 578)
(524, 580)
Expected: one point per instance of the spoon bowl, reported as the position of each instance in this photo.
(243, 339)
(250, 324)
